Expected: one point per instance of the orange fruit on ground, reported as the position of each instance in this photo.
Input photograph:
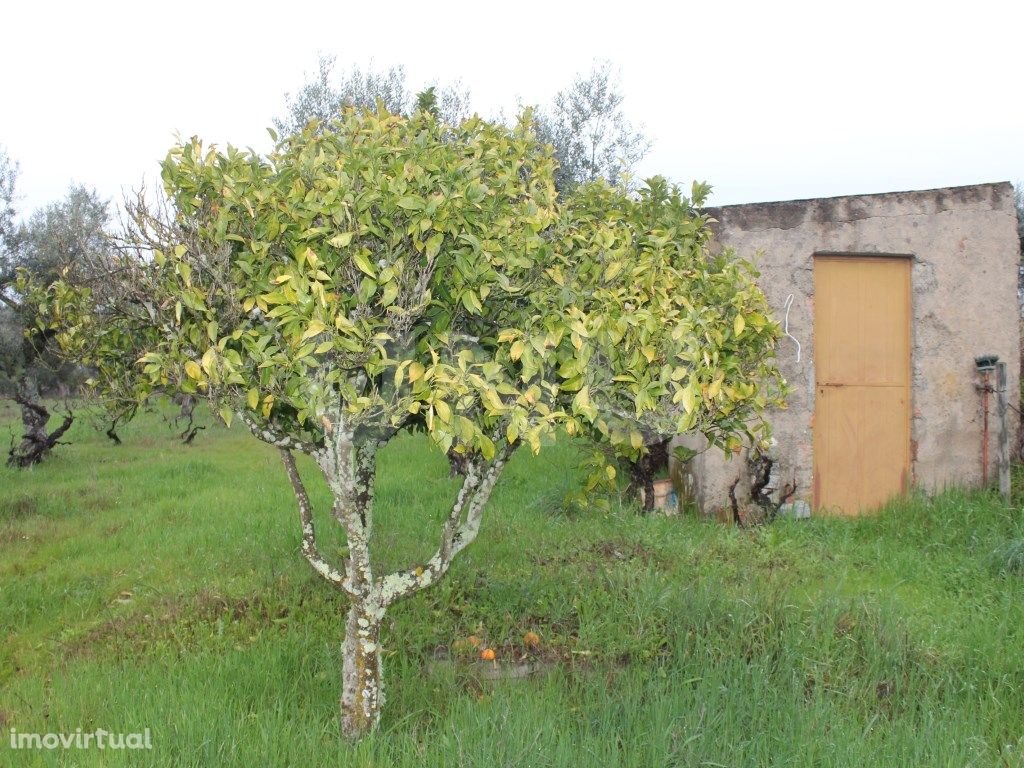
(487, 654)
(531, 639)
(474, 641)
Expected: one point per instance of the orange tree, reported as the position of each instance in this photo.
(654, 333)
(383, 274)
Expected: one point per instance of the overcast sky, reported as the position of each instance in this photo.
(765, 100)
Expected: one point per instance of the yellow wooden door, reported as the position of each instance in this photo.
(862, 367)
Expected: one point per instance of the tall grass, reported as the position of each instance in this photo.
(158, 585)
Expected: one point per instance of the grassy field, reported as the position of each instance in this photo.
(160, 586)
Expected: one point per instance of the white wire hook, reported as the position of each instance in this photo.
(787, 306)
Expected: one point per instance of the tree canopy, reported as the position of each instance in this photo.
(65, 239)
(386, 273)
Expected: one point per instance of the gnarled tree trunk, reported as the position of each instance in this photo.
(642, 472)
(36, 442)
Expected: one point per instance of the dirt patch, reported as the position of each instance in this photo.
(620, 549)
(608, 550)
(183, 620)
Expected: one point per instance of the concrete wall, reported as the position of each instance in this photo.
(964, 246)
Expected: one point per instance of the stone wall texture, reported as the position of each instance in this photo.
(965, 254)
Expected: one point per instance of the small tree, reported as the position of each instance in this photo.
(589, 131)
(384, 274)
(323, 97)
(669, 337)
(64, 238)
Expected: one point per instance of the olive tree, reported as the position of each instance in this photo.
(326, 94)
(589, 130)
(66, 238)
(382, 274)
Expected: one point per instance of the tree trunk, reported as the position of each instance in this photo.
(642, 472)
(641, 483)
(33, 416)
(36, 442)
(361, 694)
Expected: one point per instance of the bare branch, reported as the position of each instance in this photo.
(455, 536)
(309, 548)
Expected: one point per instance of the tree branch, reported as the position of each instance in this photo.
(309, 548)
(274, 437)
(473, 495)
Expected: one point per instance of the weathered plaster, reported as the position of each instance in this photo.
(964, 247)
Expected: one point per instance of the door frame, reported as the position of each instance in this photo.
(834, 255)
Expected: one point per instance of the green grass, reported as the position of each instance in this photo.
(157, 585)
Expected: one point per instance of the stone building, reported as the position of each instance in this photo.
(888, 299)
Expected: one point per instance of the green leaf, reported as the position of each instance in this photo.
(389, 295)
(364, 264)
(472, 303)
(434, 244)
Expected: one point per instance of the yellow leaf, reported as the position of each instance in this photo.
(253, 398)
(363, 264)
(612, 270)
(443, 411)
(738, 325)
(193, 370)
(517, 350)
(208, 358)
(486, 447)
(281, 279)
(688, 399)
(636, 440)
(415, 371)
(315, 327)
(582, 399)
(491, 395)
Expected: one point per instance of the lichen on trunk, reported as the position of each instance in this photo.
(348, 465)
(362, 694)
